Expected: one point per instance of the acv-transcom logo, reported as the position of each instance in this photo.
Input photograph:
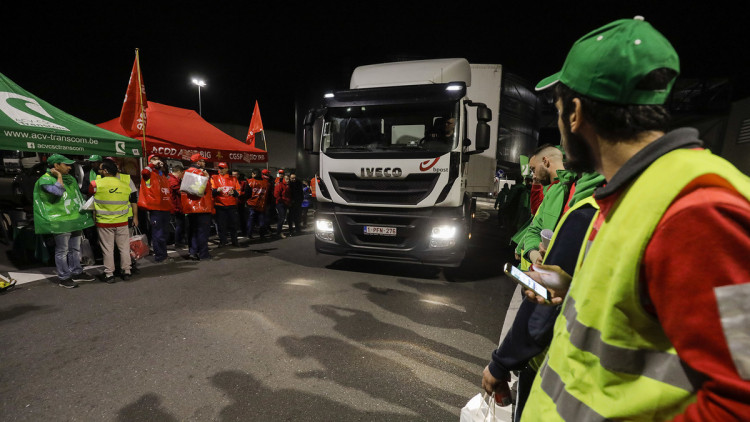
(120, 147)
(24, 118)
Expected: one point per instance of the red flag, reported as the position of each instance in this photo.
(133, 114)
(256, 126)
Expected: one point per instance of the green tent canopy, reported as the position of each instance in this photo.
(28, 123)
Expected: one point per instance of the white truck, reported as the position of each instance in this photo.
(403, 154)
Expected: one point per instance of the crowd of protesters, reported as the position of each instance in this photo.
(104, 211)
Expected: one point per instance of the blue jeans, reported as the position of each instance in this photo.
(68, 254)
(159, 233)
(260, 217)
(200, 228)
(280, 217)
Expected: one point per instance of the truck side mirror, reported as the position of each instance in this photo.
(484, 115)
(482, 136)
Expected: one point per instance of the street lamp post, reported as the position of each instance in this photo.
(200, 84)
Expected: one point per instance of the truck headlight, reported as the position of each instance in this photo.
(443, 236)
(324, 229)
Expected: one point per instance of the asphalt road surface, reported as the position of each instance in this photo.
(269, 332)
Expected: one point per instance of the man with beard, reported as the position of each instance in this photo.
(654, 323)
(523, 349)
(547, 166)
(57, 203)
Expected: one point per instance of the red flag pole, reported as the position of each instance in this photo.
(266, 146)
(140, 100)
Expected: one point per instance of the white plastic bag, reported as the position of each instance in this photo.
(87, 254)
(88, 205)
(480, 409)
(194, 184)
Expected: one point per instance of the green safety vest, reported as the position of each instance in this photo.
(111, 200)
(609, 358)
(59, 214)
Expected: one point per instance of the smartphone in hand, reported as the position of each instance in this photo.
(524, 280)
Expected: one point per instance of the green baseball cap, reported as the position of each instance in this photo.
(95, 158)
(608, 63)
(57, 158)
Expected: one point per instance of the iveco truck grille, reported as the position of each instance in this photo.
(408, 191)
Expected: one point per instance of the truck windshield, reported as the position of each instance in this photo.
(406, 127)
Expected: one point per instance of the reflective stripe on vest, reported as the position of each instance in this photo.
(111, 201)
(536, 362)
(609, 358)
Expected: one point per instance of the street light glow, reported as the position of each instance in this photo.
(201, 83)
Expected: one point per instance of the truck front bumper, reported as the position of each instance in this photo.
(413, 239)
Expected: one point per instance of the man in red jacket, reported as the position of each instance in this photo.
(175, 178)
(226, 189)
(199, 210)
(256, 192)
(154, 196)
(283, 200)
(271, 201)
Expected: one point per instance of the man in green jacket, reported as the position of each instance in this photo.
(547, 166)
(57, 204)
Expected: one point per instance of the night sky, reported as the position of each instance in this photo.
(78, 56)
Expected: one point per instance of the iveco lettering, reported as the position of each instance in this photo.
(380, 172)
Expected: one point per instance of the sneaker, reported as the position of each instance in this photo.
(167, 260)
(193, 257)
(126, 277)
(282, 235)
(84, 276)
(67, 283)
(109, 279)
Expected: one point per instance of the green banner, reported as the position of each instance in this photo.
(28, 123)
(524, 162)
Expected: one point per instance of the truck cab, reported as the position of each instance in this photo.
(395, 162)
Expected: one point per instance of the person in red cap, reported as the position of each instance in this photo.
(226, 190)
(256, 192)
(199, 210)
(154, 196)
(271, 200)
(175, 179)
(283, 196)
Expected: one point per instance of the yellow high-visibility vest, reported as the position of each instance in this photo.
(111, 200)
(609, 358)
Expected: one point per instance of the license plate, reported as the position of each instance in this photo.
(379, 230)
